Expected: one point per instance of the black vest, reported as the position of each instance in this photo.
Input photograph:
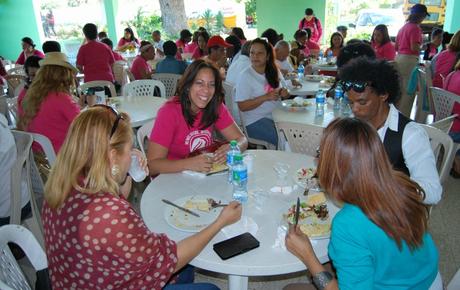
(393, 144)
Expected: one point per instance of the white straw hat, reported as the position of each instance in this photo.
(57, 58)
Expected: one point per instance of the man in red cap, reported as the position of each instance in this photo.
(216, 51)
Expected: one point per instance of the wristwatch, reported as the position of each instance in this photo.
(322, 279)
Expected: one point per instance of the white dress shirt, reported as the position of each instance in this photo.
(236, 67)
(418, 155)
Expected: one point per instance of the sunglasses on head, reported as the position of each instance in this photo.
(117, 120)
(358, 87)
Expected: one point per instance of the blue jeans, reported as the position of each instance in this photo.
(185, 279)
(263, 129)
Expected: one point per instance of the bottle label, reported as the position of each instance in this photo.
(230, 158)
(240, 176)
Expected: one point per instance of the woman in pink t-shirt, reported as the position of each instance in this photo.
(381, 43)
(94, 238)
(187, 123)
(128, 40)
(202, 49)
(408, 43)
(28, 49)
(445, 61)
(184, 39)
(140, 68)
(48, 105)
(336, 44)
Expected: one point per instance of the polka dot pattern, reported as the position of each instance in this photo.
(99, 242)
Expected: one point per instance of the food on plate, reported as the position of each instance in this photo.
(216, 167)
(314, 78)
(329, 80)
(307, 177)
(293, 104)
(315, 229)
(316, 199)
(199, 204)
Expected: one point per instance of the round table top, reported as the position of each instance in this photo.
(267, 259)
(141, 109)
(307, 116)
(324, 67)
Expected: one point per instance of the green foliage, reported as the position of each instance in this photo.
(362, 5)
(144, 24)
(208, 20)
(250, 7)
(70, 32)
(75, 3)
(219, 22)
(214, 24)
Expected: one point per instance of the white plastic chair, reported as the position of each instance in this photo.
(11, 275)
(143, 133)
(443, 148)
(25, 169)
(47, 147)
(303, 139)
(144, 88)
(17, 70)
(92, 84)
(170, 81)
(254, 141)
(15, 84)
(230, 91)
(454, 284)
(443, 102)
(424, 84)
(444, 124)
(120, 74)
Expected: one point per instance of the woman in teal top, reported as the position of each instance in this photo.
(379, 238)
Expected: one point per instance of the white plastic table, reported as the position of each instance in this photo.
(141, 109)
(263, 261)
(307, 116)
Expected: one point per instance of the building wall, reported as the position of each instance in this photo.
(284, 16)
(18, 18)
(452, 22)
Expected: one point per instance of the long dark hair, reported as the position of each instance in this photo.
(210, 115)
(339, 35)
(132, 38)
(354, 168)
(271, 70)
(384, 30)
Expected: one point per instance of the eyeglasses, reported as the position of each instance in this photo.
(358, 87)
(117, 120)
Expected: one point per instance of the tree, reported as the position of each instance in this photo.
(173, 16)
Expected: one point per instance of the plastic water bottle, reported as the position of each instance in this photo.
(300, 71)
(320, 101)
(330, 55)
(234, 150)
(346, 110)
(338, 97)
(240, 179)
(320, 57)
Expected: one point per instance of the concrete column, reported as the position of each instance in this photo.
(111, 12)
(452, 20)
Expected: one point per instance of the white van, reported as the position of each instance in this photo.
(368, 19)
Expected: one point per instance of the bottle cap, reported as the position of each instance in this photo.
(233, 143)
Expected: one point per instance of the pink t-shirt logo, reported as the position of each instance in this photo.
(198, 139)
(268, 88)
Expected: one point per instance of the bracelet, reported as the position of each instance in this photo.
(322, 279)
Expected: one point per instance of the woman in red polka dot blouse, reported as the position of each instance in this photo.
(94, 238)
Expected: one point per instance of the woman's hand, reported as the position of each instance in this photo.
(220, 155)
(299, 244)
(200, 163)
(230, 214)
(284, 93)
(142, 160)
(272, 95)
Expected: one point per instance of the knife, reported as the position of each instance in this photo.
(180, 207)
(297, 212)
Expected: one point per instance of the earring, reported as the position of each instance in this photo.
(115, 170)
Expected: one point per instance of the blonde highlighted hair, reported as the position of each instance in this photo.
(83, 160)
(49, 79)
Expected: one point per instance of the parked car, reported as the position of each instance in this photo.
(367, 19)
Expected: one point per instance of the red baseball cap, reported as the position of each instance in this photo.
(216, 40)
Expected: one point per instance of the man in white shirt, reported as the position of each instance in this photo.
(158, 42)
(239, 64)
(282, 49)
(373, 88)
(8, 157)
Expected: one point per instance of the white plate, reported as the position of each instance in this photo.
(313, 78)
(186, 222)
(304, 179)
(288, 104)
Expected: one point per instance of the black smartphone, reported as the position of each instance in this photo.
(235, 246)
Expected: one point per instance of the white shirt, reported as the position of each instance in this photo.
(284, 65)
(236, 67)
(8, 157)
(250, 85)
(418, 155)
(159, 44)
